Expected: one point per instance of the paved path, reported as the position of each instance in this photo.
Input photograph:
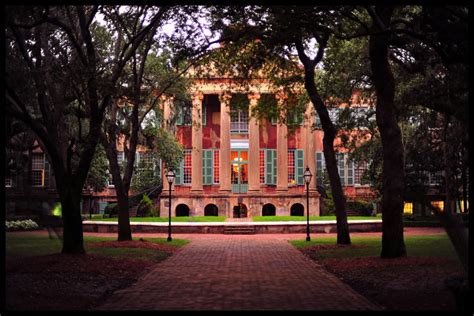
(238, 273)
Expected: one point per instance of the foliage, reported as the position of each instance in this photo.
(150, 210)
(171, 152)
(98, 172)
(21, 225)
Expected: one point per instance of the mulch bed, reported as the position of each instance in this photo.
(72, 282)
(407, 283)
(133, 244)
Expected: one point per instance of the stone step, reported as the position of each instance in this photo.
(239, 230)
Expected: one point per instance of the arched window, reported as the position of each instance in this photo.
(268, 210)
(182, 210)
(297, 209)
(211, 210)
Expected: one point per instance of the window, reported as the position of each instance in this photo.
(435, 178)
(408, 208)
(239, 121)
(8, 182)
(185, 113)
(184, 172)
(359, 170)
(146, 165)
(37, 170)
(210, 166)
(320, 167)
(438, 204)
(294, 118)
(295, 167)
(291, 167)
(262, 166)
(317, 121)
(216, 166)
(344, 165)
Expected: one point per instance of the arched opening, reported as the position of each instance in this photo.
(268, 210)
(297, 209)
(211, 210)
(182, 210)
(240, 210)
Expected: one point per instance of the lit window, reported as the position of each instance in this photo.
(408, 208)
(262, 166)
(8, 182)
(291, 167)
(187, 168)
(438, 204)
(216, 166)
(37, 170)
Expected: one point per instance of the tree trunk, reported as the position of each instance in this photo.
(124, 230)
(73, 242)
(343, 236)
(393, 244)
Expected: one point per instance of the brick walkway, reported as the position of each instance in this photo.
(238, 273)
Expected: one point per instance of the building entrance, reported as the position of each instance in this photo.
(239, 170)
(240, 211)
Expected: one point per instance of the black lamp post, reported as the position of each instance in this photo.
(307, 179)
(170, 177)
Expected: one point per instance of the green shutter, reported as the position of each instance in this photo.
(270, 166)
(319, 167)
(179, 173)
(207, 167)
(299, 166)
(203, 109)
(274, 166)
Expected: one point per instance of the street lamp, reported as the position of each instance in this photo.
(170, 177)
(307, 179)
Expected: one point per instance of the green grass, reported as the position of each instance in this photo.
(165, 219)
(424, 246)
(311, 218)
(22, 245)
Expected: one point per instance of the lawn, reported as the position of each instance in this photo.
(49, 280)
(311, 218)
(30, 245)
(414, 282)
(190, 219)
(424, 246)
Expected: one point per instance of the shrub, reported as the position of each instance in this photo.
(21, 225)
(362, 207)
(148, 209)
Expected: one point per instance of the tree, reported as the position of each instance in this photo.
(56, 73)
(279, 31)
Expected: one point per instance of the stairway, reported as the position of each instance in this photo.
(239, 230)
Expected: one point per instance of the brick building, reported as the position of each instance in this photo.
(238, 166)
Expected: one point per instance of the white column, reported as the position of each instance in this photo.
(282, 150)
(254, 147)
(167, 102)
(309, 155)
(196, 154)
(224, 157)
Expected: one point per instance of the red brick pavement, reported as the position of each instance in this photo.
(253, 272)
